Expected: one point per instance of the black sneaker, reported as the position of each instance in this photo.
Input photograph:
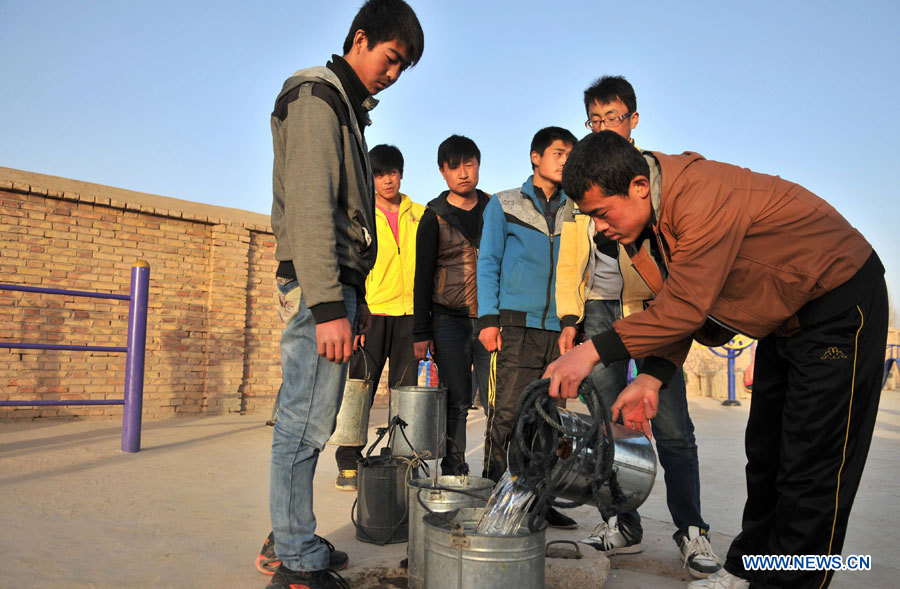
(267, 563)
(555, 519)
(346, 480)
(285, 578)
(611, 539)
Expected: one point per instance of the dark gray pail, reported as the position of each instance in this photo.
(380, 512)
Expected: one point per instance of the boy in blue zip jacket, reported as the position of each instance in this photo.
(517, 291)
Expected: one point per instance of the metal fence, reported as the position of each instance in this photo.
(134, 352)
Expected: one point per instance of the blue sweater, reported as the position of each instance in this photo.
(517, 259)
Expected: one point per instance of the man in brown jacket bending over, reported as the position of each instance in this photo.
(727, 251)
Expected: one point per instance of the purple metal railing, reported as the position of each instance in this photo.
(892, 358)
(134, 352)
(733, 349)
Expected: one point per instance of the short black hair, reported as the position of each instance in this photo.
(605, 159)
(388, 20)
(543, 138)
(385, 158)
(455, 149)
(609, 88)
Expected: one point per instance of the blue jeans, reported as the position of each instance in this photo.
(672, 428)
(311, 393)
(457, 351)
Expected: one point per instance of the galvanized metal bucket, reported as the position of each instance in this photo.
(352, 424)
(424, 409)
(634, 467)
(461, 559)
(424, 498)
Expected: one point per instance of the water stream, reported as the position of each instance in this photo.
(506, 508)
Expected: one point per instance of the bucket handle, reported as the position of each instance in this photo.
(459, 453)
(395, 423)
(369, 377)
(381, 431)
(575, 556)
(416, 360)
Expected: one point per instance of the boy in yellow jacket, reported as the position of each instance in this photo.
(389, 292)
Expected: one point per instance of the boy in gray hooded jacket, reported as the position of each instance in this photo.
(323, 220)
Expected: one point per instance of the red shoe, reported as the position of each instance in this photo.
(267, 563)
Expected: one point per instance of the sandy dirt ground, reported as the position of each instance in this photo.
(191, 509)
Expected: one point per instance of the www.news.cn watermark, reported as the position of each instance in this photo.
(807, 562)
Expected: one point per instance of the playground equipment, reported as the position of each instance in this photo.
(733, 349)
(134, 352)
(891, 360)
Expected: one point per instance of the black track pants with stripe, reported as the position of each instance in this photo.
(812, 414)
(524, 356)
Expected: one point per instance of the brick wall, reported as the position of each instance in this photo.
(212, 333)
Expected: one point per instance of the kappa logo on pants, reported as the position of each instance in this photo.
(833, 354)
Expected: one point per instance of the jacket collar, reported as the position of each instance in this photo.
(322, 74)
(360, 99)
(405, 205)
(655, 189)
(528, 189)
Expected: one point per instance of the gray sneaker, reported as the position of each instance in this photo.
(699, 557)
(609, 539)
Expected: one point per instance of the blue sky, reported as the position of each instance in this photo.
(173, 98)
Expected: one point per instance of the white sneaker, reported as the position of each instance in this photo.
(698, 555)
(608, 539)
(720, 580)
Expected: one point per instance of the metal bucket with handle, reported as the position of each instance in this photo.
(352, 424)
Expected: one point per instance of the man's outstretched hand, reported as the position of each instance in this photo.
(637, 403)
(567, 371)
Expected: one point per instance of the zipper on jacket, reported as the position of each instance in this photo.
(549, 286)
(587, 273)
(400, 257)
(552, 265)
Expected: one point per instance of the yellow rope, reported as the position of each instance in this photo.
(492, 380)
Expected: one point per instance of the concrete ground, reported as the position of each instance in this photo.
(191, 509)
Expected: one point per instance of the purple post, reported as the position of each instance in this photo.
(732, 400)
(732, 351)
(134, 360)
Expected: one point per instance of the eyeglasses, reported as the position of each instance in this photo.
(594, 124)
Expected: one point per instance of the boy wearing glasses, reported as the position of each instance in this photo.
(591, 289)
